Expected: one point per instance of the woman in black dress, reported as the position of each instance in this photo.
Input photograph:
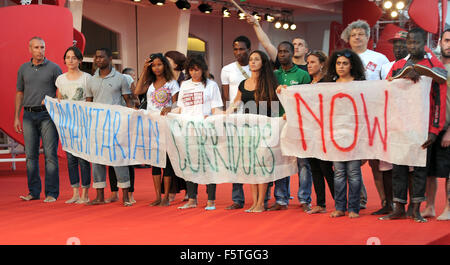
(259, 88)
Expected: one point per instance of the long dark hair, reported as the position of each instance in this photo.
(267, 82)
(167, 73)
(357, 71)
(197, 61)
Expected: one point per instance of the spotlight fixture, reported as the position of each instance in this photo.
(293, 26)
(226, 12)
(400, 5)
(256, 16)
(241, 15)
(277, 24)
(394, 14)
(158, 2)
(269, 18)
(387, 4)
(205, 8)
(286, 25)
(183, 4)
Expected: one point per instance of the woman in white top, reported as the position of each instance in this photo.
(72, 86)
(199, 96)
(157, 80)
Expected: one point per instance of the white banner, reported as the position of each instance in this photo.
(358, 120)
(109, 134)
(237, 148)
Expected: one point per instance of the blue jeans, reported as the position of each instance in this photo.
(99, 174)
(74, 173)
(281, 191)
(37, 125)
(304, 181)
(237, 194)
(350, 170)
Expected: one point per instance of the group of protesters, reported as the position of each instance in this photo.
(172, 82)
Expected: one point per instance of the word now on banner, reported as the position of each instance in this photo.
(109, 134)
(238, 148)
(358, 120)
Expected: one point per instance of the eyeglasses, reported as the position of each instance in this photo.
(347, 54)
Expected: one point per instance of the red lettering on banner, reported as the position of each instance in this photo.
(320, 120)
(355, 136)
(376, 123)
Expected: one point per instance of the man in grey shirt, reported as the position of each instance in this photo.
(35, 80)
(108, 86)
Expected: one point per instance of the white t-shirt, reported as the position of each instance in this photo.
(385, 69)
(232, 76)
(197, 100)
(372, 62)
(161, 97)
(73, 89)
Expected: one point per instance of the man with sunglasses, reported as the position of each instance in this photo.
(415, 42)
(357, 34)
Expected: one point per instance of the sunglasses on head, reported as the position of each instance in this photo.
(346, 54)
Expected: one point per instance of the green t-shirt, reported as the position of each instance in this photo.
(291, 77)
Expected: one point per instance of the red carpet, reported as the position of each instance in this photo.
(37, 222)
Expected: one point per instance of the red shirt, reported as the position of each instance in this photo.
(438, 92)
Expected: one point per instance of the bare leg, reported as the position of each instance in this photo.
(254, 197)
(100, 199)
(126, 199)
(75, 197)
(262, 189)
(165, 200)
(378, 179)
(431, 196)
(130, 195)
(84, 196)
(157, 184)
(445, 216)
(114, 197)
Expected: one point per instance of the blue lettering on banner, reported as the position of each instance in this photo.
(115, 132)
(96, 127)
(107, 128)
(139, 133)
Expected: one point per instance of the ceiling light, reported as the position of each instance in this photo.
(394, 13)
(241, 15)
(183, 4)
(400, 5)
(286, 25)
(277, 24)
(269, 18)
(293, 26)
(158, 2)
(205, 8)
(256, 16)
(226, 12)
(387, 4)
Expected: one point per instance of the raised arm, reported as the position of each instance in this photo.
(263, 38)
(141, 86)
